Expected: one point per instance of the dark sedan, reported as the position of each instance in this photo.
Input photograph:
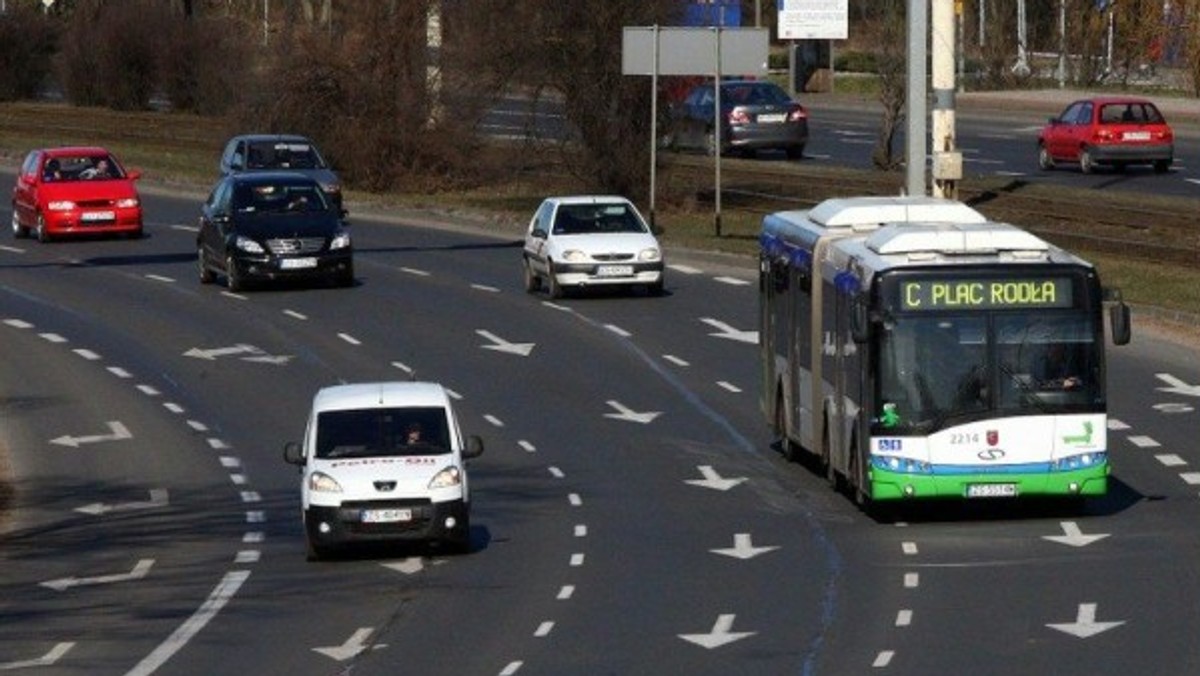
(272, 226)
(755, 115)
(277, 152)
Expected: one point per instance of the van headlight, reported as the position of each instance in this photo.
(451, 476)
(320, 482)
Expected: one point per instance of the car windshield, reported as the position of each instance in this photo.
(277, 155)
(361, 433)
(81, 168)
(585, 219)
(278, 198)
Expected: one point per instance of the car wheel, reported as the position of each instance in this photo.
(346, 278)
(657, 288)
(17, 231)
(460, 541)
(205, 273)
(795, 152)
(1086, 164)
(1045, 160)
(40, 231)
(1160, 167)
(529, 278)
(552, 286)
(233, 277)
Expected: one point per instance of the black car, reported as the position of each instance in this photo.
(755, 115)
(276, 152)
(272, 226)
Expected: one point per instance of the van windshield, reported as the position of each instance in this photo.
(382, 432)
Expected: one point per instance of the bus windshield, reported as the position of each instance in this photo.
(939, 370)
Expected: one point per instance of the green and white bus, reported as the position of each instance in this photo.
(918, 351)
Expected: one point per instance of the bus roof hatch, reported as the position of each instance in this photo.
(851, 211)
(968, 238)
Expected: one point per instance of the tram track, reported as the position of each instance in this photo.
(1135, 225)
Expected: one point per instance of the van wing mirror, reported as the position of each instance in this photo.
(474, 447)
(292, 453)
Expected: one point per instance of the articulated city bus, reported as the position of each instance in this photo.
(917, 350)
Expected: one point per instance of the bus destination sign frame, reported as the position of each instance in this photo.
(933, 294)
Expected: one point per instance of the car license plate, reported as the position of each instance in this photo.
(386, 515)
(297, 263)
(772, 117)
(1136, 136)
(991, 490)
(90, 216)
(614, 270)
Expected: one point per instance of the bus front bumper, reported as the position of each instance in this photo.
(892, 485)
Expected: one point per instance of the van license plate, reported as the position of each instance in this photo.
(386, 515)
(991, 490)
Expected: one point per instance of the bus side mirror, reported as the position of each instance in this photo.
(860, 321)
(1118, 316)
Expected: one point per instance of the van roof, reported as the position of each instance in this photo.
(392, 394)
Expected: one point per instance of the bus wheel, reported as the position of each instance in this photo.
(790, 451)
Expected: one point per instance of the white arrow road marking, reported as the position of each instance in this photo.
(720, 634)
(1085, 624)
(254, 354)
(1073, 536)
(353, 646)
(46, 660)
(626, 413)
(139, 571)
(158, 498)
(742, 548)
(117, 432)
(215, 352)
(1177, 386)
(713, 480)
(728, 332)
(409, 566)
(501, 345)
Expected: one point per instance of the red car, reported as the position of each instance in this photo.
(1108, 130)
(75, 191)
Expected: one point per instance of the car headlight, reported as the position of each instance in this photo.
(340, 241)
(248, 245)
(574, 256)
(451, 476)
(127, 203)
(61, 205)
(650, 254)
(320, 482)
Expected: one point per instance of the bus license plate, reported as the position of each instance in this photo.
(386, 515)
(991, 490)
(614, 270)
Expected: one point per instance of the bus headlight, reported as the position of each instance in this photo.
(896, 463)
(1081, 461)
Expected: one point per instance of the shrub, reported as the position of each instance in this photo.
(203, 64)
(27, 44)
(109, 51)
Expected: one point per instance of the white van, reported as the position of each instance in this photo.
(383, 461)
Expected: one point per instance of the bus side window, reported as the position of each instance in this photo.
(780, 274)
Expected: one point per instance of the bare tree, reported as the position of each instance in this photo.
(893, 70)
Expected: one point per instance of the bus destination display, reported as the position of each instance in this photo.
(985, 294)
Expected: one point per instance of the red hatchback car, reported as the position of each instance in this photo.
(75, 191)
(1110, 130)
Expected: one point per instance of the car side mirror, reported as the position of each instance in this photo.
(292, 454)
(538, 233)
(344, 214)
(474, 447)
(134, 174)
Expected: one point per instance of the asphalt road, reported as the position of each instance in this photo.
(630, 516)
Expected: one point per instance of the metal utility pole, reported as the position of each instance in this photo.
(947, 160)
(915, 128)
